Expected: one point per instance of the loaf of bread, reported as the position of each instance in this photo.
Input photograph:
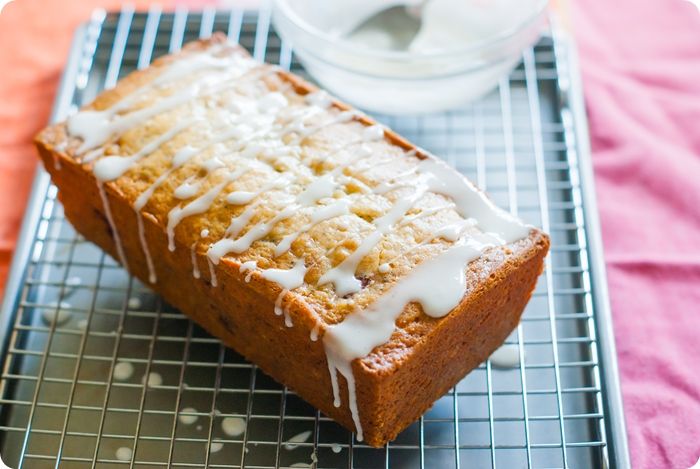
(348, 264)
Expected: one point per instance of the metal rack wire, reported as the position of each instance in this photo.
(73, 319)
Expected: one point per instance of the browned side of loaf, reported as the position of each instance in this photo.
(396, 383)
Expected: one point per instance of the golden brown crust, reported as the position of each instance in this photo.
(396, 383)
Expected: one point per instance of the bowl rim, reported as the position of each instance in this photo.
(285, 8)
(401, 77)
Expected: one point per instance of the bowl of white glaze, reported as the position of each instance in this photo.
(458, 55)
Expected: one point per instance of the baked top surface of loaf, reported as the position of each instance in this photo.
(238, 162)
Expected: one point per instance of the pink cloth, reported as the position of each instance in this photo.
(641, 73)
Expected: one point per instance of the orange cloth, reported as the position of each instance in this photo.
(35, 37)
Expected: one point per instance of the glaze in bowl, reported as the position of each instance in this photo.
(403, 82)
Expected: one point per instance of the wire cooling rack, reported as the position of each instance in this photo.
(80, 335)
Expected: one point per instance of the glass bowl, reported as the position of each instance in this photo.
(402, 82)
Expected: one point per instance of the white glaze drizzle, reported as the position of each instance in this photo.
(58, 149)
(97, 127)
(203, 203)
(233, 426)
(215, 447)
(153, 379)
(180, 158)
(425, 213)
(195, 266)
(245, 197)
(322, 213)
(122, 371)
(188, 416)
(472, 203)
(212, 164)
(342, 276)
(123, 453)
(323, 187)
(199, 205)
(278, 307)
(314, 332)
(58, 313)
(109, 168)
(183, 68)
(366, 329)
(304, 132)
(112, 226)
(396, 182)
(450, 232)
(248, 267)
(212, 274)
(272, 102)
(319, 98)
(363, 330)
(188, 189)
(440, 178)
(134, 303)
(318, 189)
(112, 167)
(184, 155)
(373, 133)
(227, 245)
(239, 222)
(302, 437)
(287, 279)
(92, 155)
(152, 277)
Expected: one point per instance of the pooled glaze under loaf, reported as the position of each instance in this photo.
(260, 189)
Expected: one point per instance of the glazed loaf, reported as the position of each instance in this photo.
(348, 264)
